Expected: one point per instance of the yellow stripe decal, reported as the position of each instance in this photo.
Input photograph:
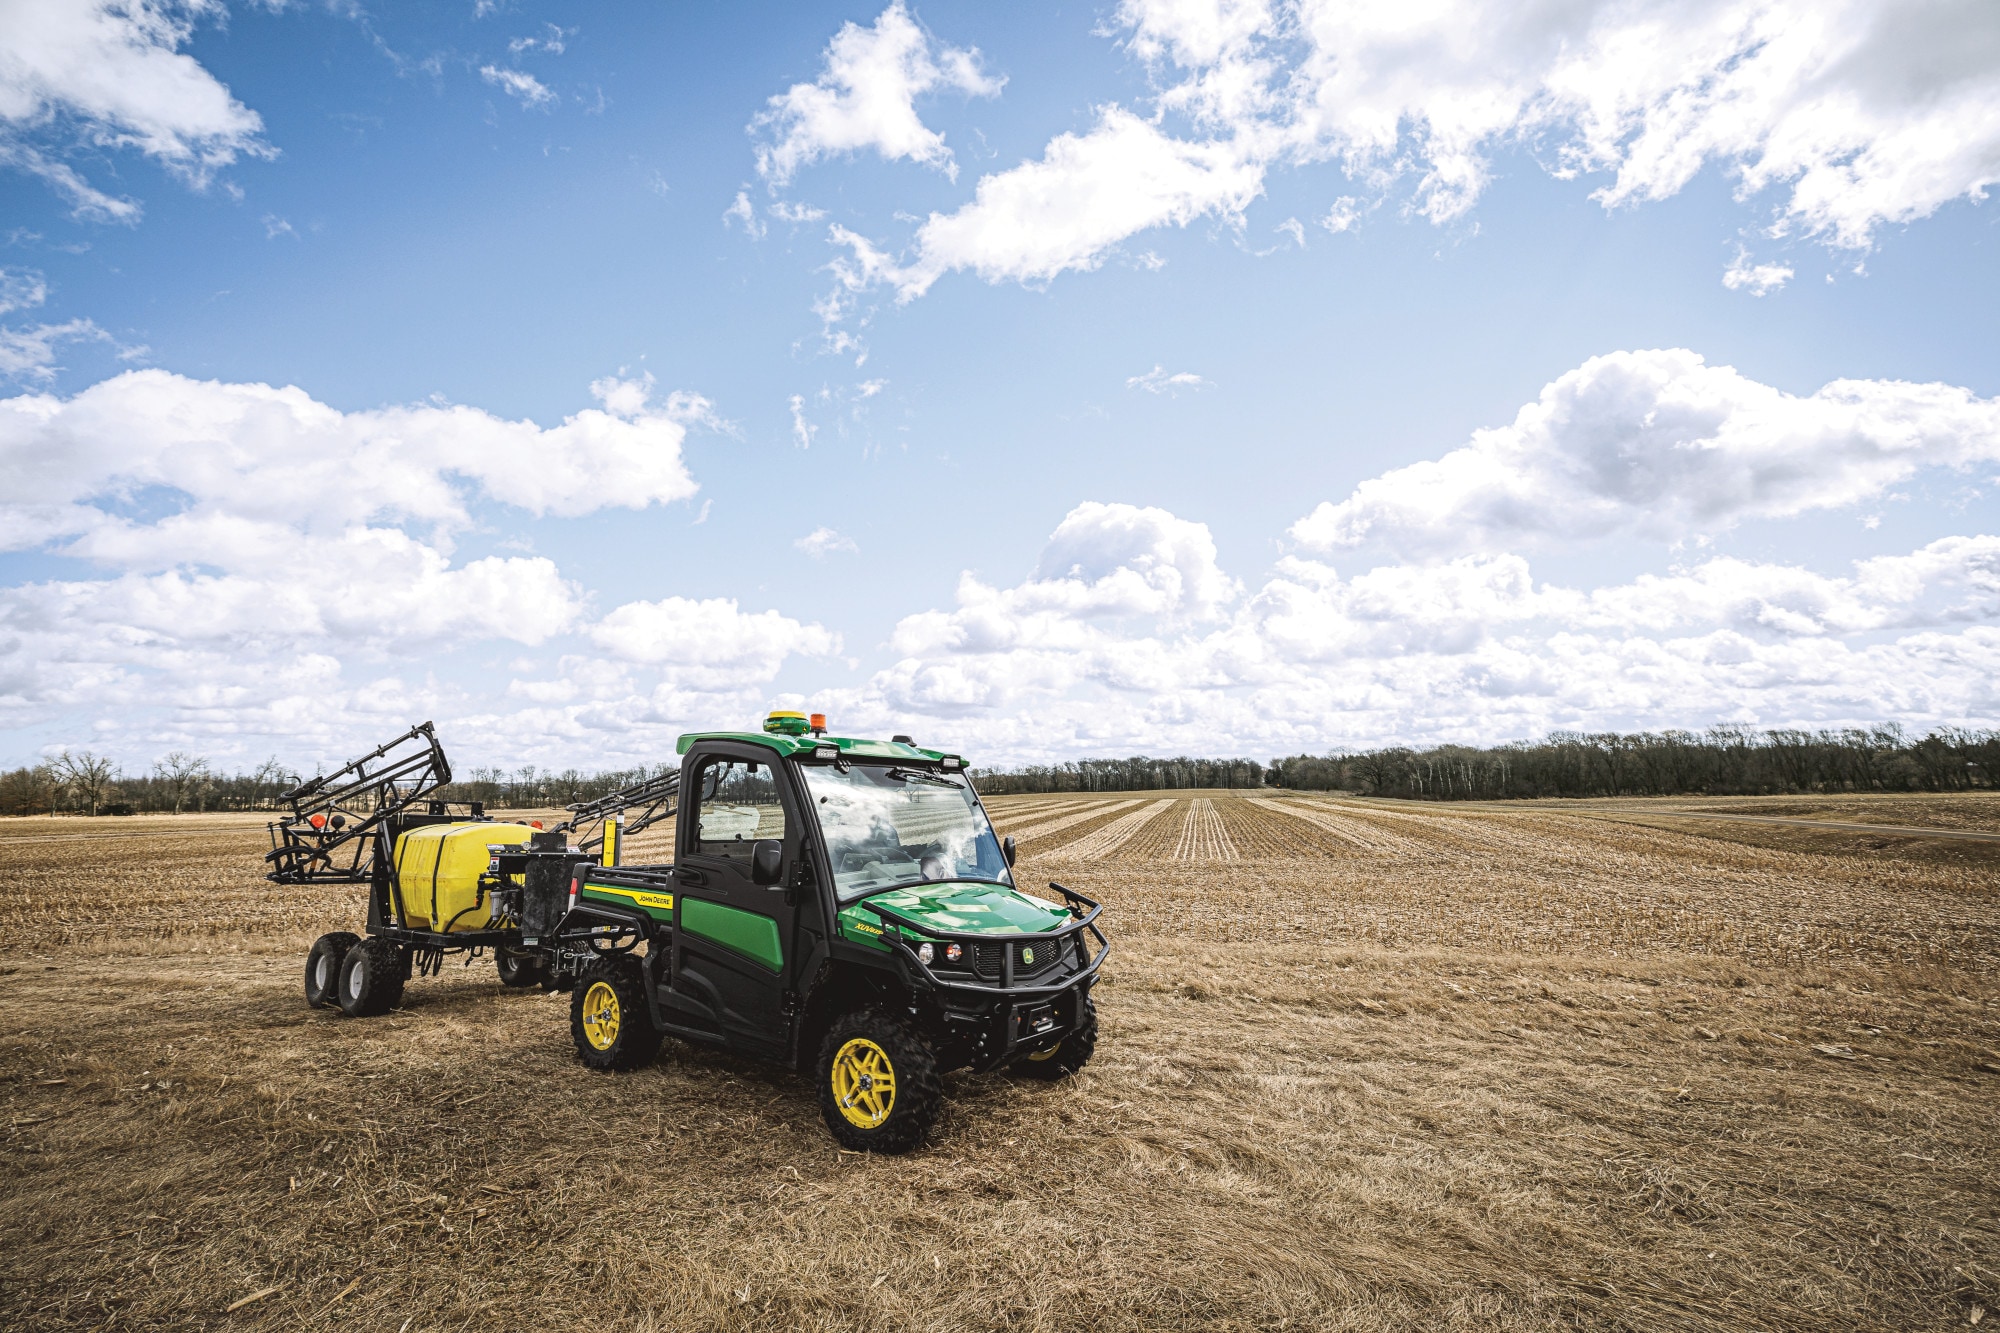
(664, 901)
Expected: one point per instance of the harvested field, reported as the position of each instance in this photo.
(1048, 822)
(1106, 840)
(1364, 1066)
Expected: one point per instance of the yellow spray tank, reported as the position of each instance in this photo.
(437, 873)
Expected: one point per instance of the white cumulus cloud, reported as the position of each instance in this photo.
(1835, 117)
(245, 567)
(523, 87)
(822, 542)
(1662, 445)
(1157, 380)
(1066, 210)
(708, 643)
(865, 97)
(110, 73)
(1757, 279)
(1474, 649)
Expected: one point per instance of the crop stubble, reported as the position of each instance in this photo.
(1391, 1067)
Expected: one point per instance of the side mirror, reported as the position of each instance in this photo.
(767, 860)
(1007, 848)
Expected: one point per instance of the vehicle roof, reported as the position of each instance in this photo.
(787, 746)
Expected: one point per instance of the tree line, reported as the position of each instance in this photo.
(532, 788)
(1135, 774)
(1721, 761)
(85, 783)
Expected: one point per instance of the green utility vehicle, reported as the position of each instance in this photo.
(840, 906)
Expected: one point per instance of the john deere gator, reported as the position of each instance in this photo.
(837, 905)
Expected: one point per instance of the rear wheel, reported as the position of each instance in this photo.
(608, 1018)
(371, 978)
(878, 1083)
(519, 968)
(1067, 1056)
(323, 967)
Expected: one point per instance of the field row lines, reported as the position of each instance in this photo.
(1043, 828)
(1103, 842)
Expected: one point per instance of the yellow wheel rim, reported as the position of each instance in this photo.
(600, 1015)
(864, 1083)
(1049, 1054)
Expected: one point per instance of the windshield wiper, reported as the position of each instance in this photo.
(919, 775)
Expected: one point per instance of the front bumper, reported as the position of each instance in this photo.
(1011, 1013)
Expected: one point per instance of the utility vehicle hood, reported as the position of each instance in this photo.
(970, 907)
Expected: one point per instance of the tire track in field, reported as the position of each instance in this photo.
(1097, 845)
(1203, 837)
(1348, 829)
(1043, 829)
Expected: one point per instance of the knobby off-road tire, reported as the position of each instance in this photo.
(1067, 1056)
(608, 1018)
(878, 1083)
(520, 970)
(371, 978)
(323, 968)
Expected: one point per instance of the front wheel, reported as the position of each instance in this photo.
(878, 1083)
(1067, 1056)
(608, 1018)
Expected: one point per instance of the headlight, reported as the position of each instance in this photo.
(953, 952)
(925, 953)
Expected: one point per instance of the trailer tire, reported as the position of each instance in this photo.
(1067, 1056)
(323, 968)
(371, 978)
(854, 1057)
(520, 969)
(609, 1020)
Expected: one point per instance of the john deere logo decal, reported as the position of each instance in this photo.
(1028, 955)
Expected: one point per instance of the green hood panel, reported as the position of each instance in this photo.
(964, 907)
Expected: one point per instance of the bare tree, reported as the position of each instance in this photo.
(87, 775)
(271, 779)
(182, 774)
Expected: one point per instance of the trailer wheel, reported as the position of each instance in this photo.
(371, 978)
(519, 968)
(608, 1017)
(878, 1083)
(323, 968)
(1067, 1056)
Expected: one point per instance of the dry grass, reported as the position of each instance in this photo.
(1389, 1068)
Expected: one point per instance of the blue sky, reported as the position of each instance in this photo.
(1145, 377)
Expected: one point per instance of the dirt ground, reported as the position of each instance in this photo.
(1364, 1066)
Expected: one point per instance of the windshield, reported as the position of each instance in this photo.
(887, 826)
